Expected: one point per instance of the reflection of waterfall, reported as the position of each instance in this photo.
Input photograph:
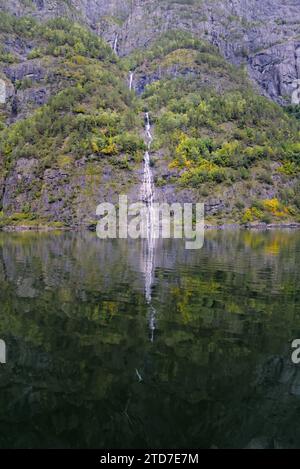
(130, 80)
(148, 193)
(149, 271)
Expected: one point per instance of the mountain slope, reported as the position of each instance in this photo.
(264, 35)
(217, 140)
(72, 132)
(64, 154)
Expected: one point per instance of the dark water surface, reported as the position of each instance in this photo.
(90, 364)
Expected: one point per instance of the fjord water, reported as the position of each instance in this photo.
(86, 369)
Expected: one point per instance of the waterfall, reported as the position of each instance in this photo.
(148, 183)
(115, 46)
(130, 80)
(148, 195)
(148, 131)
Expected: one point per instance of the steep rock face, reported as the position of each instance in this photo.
(43, 9)
(263, 35)
(87, 11)
(277, 70)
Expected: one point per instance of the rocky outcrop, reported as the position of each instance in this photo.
(68, 194)
(30, 69)
(30, 88)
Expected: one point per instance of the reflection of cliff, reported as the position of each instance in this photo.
(83, 258)
(74, 318)
(275, 405)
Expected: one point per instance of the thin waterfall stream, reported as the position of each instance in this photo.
(115, 46)
(130, 80)
(148, 188)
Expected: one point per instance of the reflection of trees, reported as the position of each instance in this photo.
(75, 320)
